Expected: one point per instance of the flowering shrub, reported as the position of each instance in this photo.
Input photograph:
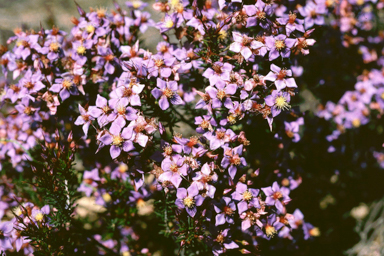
(91, 114)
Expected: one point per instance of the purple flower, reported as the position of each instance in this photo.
(279, 75)
(38, 215)
(272, 226)
(64, 87)
(313, 13)
(205, 123)
(162, 65)
(278, 101)
(302, 44)
(90, 179)
(276, 196)
(5, 230)
(225, 211)
(310, 230)
(244, 44)
(219, 138)
(131, 51)
(233, 160)
(130, 91)
(291, 23)
(222, 242)
(52, 48)
(121, 112)
(143, 21)
(31, 83)
(168, 90)
(106, 110)
(25, 45)
(218, 73)
(252, 217)
(80, 50)
(188, 144)
(27, 111)
(279, 45)
(258, 14)
(366, 90)
(13, 92)
(189, 199)
(120, 172)
(173, 169)
(169, 22)
(137, 128)
(86, 117)
(247, 197)
(298, 219)
(105, 60)
(203, 178)
(118, 141)
(292, 129)
(222, 93)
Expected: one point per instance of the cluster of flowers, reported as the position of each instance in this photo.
(27, 217)
(357, 107)
(234, 65)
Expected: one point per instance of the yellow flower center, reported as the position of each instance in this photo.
(174, 167)
(204, 124)
(261, 15)
(292, 18)
(279, 44)
(173, 3)
(90, 28)
(121, 109)
(81, 50)
(285, 182)
(231, 119)
(168, 93)
(54, 46)
(107, 197)
(18, 211)
(220, 238)
(247, 196)
(169, 24)
(179, 8)
(270, 231)
(277, 195)
(66, 84)
(140, 203)
(281, 103)
(117, 140)
(39, 216)
(106, 109)
(168, 150)
(28, 111)
(220, 135)
(222, 34)
(382, 95)
(101, 12)
(221, 94)
(159, 63)
(189, 202)
(123, 168)
(314, 232)
(136, 4)
(356, 122)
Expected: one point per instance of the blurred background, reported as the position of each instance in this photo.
(32, 13)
